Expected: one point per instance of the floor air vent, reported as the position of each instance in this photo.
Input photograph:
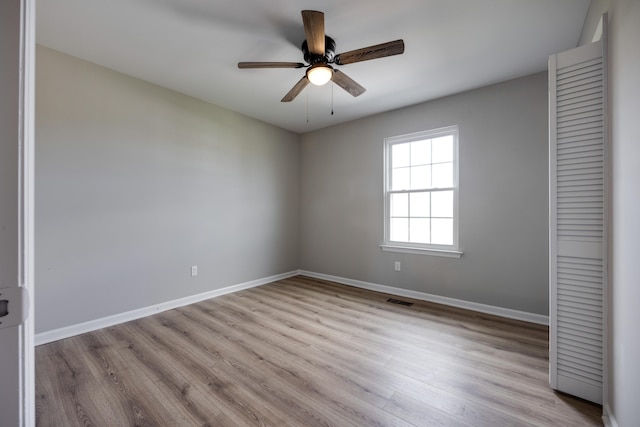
(400, 302)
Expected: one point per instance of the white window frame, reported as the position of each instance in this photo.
(453, 250)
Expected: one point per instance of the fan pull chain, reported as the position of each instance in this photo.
(332, 98)
(307, 106)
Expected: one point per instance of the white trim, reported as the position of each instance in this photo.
(604, 36)
(422, 251)
(607, 417)
(453, 302)
(93, 325)
(427, 248)
(553, 302)
(27, 211)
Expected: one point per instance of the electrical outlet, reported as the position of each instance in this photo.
(397, 266)
(194, 270)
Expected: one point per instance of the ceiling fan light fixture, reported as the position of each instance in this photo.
(318, 50)
(319, 74)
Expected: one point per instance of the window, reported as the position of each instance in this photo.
(421, 192)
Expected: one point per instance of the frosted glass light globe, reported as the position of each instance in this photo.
(319, 75)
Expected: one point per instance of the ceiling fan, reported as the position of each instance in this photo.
(319, 51)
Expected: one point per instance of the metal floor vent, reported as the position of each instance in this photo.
(400, 302)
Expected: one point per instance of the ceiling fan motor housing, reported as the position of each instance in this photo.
(329, 52)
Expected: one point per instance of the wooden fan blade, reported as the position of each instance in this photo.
(347, 83)
(314, 30)
(295, 90)
(270, 65)
(395, 47)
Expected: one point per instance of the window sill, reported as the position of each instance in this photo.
(448, 253)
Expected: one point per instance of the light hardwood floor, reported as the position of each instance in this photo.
(305, 352)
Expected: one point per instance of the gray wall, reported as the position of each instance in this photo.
(11, 409)
(503, 200)
(9, 144)
(592, 21)
(136, 183)
(624, 315)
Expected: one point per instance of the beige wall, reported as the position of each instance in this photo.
(136, 183)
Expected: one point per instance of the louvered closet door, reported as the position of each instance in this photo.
(577, 220)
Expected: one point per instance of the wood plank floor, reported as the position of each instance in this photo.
(305, 352)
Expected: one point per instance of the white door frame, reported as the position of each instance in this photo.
(17, 49)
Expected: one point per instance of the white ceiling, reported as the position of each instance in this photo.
(193, 47)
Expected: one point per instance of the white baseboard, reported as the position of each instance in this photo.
(92, 325)
(607, 417)
(474, 306)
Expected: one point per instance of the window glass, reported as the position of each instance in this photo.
(420, 204)
(400, 205)
(400, 179)
(420, 152)
(442, 231)
(442, 149)
(420, 177)
(401, 155)
(442, 175)
(442, 204)
(419, 230)
(399, 229)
